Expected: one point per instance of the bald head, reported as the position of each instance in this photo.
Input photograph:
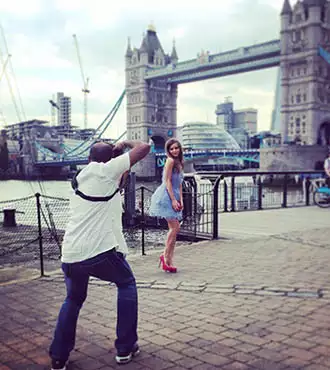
(101, 152)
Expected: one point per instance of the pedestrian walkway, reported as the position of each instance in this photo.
(271, 222)
(256, 302)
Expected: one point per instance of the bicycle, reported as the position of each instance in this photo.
(321, 193)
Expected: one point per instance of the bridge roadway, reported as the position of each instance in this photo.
(248, 154)
(206, 66)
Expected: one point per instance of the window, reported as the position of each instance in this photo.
(298, 98)
(297, 36)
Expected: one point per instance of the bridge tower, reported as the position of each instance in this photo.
(151, 106)
(305, 76)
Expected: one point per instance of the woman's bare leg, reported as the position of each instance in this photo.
(174, 227)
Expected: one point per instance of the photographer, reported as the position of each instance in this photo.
(94, 245)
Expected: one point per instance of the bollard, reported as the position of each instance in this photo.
(130, 196)
(9, 218)
(142, 220)
(216, 207)
(41, 252)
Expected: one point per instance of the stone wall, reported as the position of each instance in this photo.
(291, 158)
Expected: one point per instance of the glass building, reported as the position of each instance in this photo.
(204, 135)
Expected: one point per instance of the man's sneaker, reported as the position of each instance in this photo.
(58, 365)
(125, 358)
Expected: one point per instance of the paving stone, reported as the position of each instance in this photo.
(248, 286)
(236, 366)
(220, 286)
(280, 288)
(244, 291)
(194, 352)
(167, 354)
(210, 289)
(215, 359)
(316, 367)
(193, 284)
(190, 288)
(189, 362)
(303, 294)
(271, 355)
(160, 340)
(141, 285)
(300, 353)
(264, 364)
(269, 293)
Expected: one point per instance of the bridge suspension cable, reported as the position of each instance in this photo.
(324, 54)
(120, 137)
(100, 129)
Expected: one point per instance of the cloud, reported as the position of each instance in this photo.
(21, 8)
(39, 36)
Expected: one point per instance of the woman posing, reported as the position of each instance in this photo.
(167, 200)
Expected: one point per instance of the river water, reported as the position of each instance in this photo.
(14, 189)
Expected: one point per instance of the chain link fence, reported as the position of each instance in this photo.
(19, 234)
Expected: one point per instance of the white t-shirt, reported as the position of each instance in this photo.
(95, 227)
(327, 164)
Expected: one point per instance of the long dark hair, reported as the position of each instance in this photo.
(178, 162)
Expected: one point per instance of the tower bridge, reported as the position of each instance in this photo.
(302, 53)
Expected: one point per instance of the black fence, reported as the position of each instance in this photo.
(243, 191)
(32, 228)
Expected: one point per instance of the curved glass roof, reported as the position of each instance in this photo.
(205, 135)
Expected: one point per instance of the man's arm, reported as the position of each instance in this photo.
(138, 150)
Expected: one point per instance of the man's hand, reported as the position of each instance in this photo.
(118, 149)
(138, 150)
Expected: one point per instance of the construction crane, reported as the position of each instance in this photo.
(3, 118)
(53, 107)
(4, 67)
(85, 89)
(1, 75)
(19, 110)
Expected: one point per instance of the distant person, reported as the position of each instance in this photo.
(167, 201)
(327, 169)
(93, 245)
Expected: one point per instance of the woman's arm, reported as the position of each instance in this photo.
(181, 197)
(168, 181)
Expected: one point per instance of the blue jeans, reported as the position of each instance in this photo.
(109, 266)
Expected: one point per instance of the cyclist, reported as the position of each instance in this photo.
(327, 169)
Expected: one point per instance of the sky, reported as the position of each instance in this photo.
(44, 60)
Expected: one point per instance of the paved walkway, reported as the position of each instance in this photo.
(249, 302)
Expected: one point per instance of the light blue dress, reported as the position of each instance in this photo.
(161, 204)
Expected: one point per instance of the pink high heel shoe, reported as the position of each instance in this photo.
(166, 267)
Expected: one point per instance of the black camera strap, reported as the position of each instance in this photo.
(74, 185)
